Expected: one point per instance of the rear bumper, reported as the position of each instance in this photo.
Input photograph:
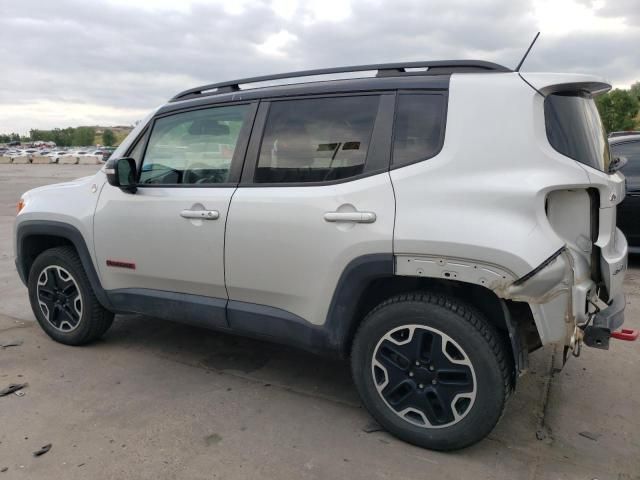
(606, 321)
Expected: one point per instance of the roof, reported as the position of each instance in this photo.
(624, 139)
(439, 67)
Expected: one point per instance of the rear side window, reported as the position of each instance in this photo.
(574, 129)
(631, 170)
(419, 127)
(316, 140)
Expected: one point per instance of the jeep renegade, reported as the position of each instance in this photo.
(434, 222)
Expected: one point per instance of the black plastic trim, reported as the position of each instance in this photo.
(68, 232)
(604, 322)
(518, 350)
(262, 321)
(436, 67)
(195, 310)
(526, 277)
(279, 326)
(333, 87)
(357, 276)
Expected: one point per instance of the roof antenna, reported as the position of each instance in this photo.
(527, 52)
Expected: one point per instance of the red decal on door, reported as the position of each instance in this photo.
(119, 264)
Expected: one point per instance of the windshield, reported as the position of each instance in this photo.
(574, 128)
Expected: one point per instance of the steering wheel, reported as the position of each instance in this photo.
(190, 174)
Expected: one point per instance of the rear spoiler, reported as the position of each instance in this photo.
(547, 83)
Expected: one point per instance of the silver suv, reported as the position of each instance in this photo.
(435, 223)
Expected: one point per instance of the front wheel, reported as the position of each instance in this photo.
(62, 299)
(431, 370)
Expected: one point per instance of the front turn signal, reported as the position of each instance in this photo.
(20, 205)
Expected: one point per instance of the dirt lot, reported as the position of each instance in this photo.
(161, 400)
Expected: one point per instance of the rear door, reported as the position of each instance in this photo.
(315, 195)
(169, 235)
(629, 209)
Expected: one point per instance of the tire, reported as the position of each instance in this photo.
(456, 392)
(62, 299)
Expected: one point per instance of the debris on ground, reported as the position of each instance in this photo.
(372, 427)
(212, 439)
(590, 435)
(42, 450)
(14, 387)
(12, 343)
(4, 469)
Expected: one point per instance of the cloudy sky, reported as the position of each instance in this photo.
(78, 62)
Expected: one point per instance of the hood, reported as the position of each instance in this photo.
(58, 186)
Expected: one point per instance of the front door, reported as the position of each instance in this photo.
(169, 235)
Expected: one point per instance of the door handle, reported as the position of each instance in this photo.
(358, 217)
(200, 214)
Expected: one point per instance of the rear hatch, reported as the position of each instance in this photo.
(574, 129)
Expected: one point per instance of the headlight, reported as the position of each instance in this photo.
(20, 205)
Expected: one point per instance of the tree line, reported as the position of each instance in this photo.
(63, 137)
(619, 109)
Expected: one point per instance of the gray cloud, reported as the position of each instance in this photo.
(123, 60)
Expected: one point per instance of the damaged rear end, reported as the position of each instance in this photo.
(581, 282)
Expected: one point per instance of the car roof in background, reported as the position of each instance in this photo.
(624, 139)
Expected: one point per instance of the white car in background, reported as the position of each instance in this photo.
(56, 154)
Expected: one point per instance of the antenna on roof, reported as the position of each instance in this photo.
(527, 52)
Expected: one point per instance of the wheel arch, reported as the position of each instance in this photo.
(35, 236)
(371, 279)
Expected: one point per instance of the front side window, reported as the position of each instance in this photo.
(574, 128)
(193, 147)
(316, 140)
(631, 171)
(419, 127)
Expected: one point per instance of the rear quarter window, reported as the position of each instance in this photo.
(419, 127)
(575, 130)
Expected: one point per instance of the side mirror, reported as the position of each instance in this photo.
(121, 173)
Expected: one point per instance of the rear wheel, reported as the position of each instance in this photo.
(62, 299)
(431, 370)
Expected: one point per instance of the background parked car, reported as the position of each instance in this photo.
(623, 134)
(56, 154)
(629, 210)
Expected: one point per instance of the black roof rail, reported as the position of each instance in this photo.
(438, 67)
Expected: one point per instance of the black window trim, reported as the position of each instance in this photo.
(239, 153)
(380, 140)
(445, 111)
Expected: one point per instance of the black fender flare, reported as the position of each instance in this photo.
(354, 280)
(32, 228)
